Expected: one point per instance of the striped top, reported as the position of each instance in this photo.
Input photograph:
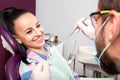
(59, 70)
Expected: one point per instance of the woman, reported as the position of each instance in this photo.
(29, 34)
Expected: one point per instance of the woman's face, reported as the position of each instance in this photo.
(29, 31)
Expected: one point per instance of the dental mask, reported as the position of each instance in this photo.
(95, 54)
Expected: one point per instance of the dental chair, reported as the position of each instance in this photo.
(85, 56)
(9, 57)
(4, 56)
(12, 68)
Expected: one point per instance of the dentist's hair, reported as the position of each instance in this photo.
(109, 5)
(7, 18)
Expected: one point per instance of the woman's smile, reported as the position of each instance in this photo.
(39, 39)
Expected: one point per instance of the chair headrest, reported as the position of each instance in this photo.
(8, 41)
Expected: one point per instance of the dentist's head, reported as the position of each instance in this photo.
(106, 21)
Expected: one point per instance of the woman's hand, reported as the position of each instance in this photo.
(41, 71)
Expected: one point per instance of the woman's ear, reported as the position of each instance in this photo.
(115, 24)
(17, 39)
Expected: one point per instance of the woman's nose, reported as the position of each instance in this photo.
(38, 32)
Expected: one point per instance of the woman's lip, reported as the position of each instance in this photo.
(39, 38)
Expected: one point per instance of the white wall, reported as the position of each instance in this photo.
(60, 16)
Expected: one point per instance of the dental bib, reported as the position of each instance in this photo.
(59, 70)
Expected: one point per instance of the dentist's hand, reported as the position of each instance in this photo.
(86, 27)
(41, 71)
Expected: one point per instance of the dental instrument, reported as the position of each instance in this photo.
(77, 29)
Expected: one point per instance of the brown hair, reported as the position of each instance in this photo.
(109, 5)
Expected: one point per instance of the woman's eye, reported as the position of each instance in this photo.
(38, 26)
(28, 32)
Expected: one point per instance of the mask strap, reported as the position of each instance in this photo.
(104, 50)
(103, 25)
(108, 45)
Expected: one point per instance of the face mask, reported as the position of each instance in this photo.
(95, 54)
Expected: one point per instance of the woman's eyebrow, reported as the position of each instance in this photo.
(30, 27)
(27, 29)
(37, 23)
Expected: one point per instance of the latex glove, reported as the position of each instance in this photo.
(41, 71)
(86, 27)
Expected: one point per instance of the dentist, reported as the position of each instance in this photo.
(106, 23)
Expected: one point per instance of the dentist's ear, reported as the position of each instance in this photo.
(115, 24)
